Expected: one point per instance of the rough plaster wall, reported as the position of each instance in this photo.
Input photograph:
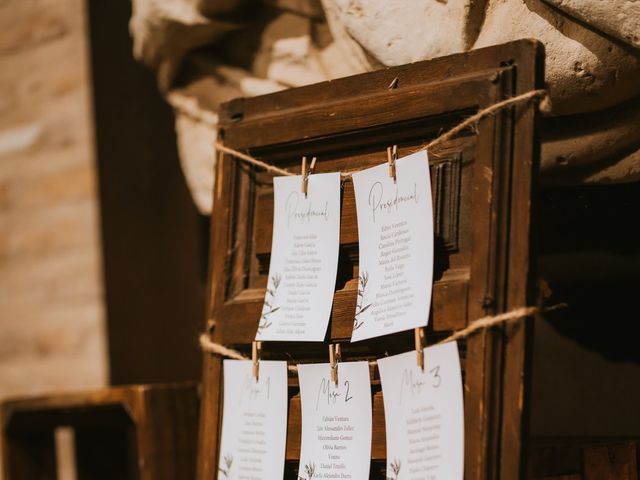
(51, 307)
(203, 58)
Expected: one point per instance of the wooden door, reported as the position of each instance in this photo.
(483, 191)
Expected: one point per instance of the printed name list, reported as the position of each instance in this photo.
(304, 259)
(336, 422)
(254, 422)
(395, 229)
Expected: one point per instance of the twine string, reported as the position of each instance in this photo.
(251, 160)
(544, 106)
(519, 314)
(483, 323)
(540, 95)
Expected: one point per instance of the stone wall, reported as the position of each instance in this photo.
(51, 297)
(208, 51)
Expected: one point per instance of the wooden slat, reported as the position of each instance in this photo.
(211, 405)
(519, 276)
(449, 294)
(372, 110)
(409, 75)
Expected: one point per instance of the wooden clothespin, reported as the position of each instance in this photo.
(256, 350)
(306, 172)
(335, 356)
(392, 156)
(419, 337)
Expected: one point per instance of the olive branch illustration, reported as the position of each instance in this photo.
(309, 471)
(226, 470)
(268, 307)
(395, 469)
(361, 307)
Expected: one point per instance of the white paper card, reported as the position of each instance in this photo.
(424, 416)
(395, 229)
(336, 421)
(304, 259)
(254, 422)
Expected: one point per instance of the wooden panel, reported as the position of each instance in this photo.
(482, 184)
(341, 116)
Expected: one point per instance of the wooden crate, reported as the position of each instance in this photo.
(483, 184)
(140, 432)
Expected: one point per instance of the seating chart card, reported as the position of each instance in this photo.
(254, 422)
(395, 229)
(424, 416)
(304, 259)
(336, 421)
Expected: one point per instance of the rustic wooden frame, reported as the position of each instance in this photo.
(483, 184)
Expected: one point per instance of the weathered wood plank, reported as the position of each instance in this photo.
(449, 306)
(347, 116)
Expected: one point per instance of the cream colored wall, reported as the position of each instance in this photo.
(52, 334)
